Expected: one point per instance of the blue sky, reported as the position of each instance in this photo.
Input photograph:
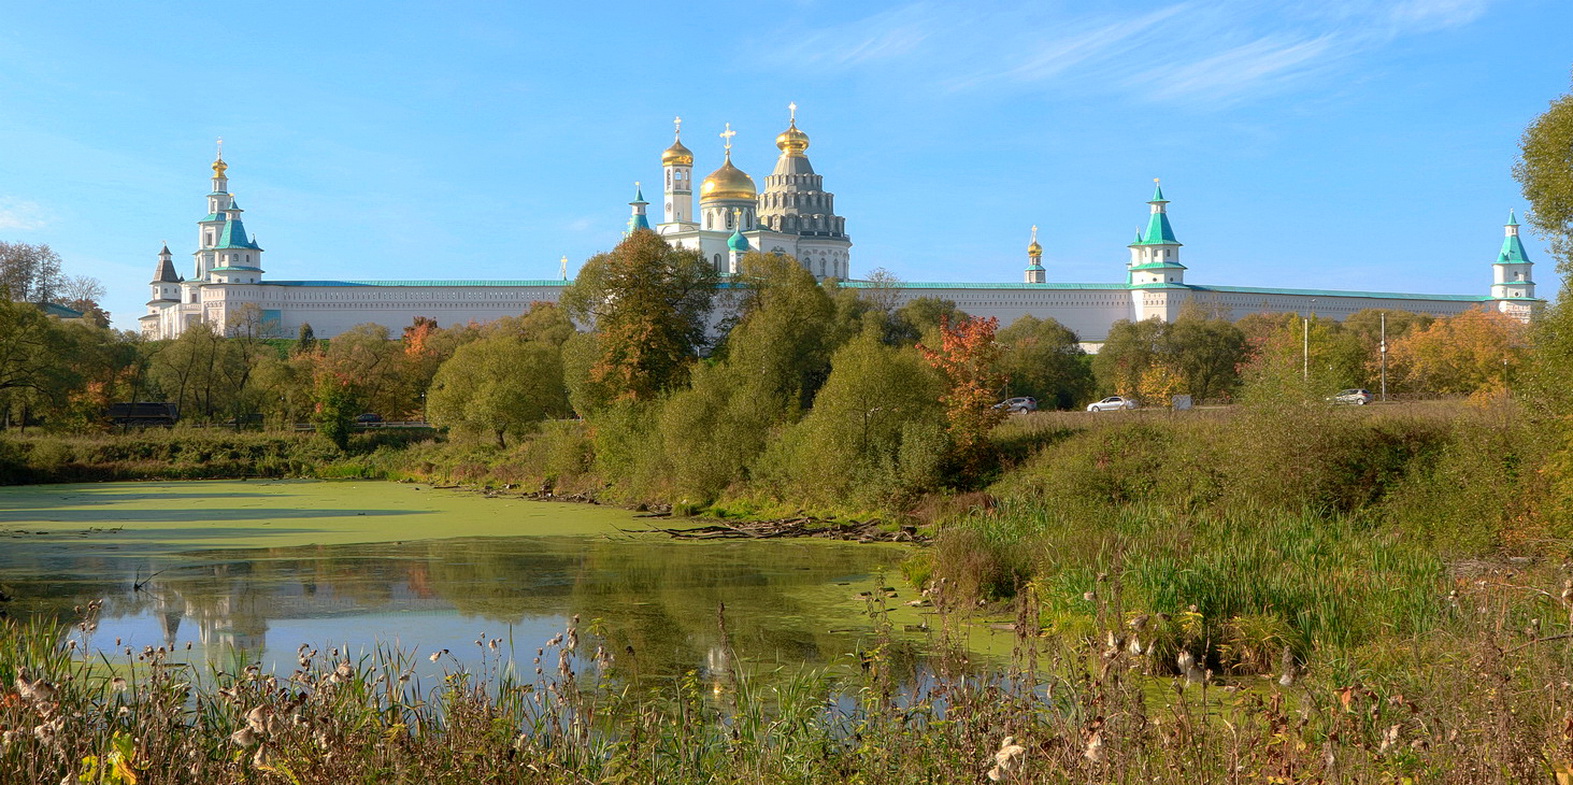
(1332, 144)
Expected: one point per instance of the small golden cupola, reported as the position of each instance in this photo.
(677, 154)
(218, 162)
(792, 141)
(728, 182)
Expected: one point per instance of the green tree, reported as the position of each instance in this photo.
(648, 304)
(775, 359)
(29, 273)
(1127, 352)
(1044, 359)
(920, 319)
(876, 430)
(1545, 171)
(500, 385)
(1206, 354)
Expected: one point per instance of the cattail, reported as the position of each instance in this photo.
(1009, 760)
(343, 673)
(1389, 738)
(245, 737)
(257, 718)
(119, 683)
(34, 691)
(1094, 751)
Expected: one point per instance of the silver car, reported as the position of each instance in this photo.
(1112, 403)
(1353, 397)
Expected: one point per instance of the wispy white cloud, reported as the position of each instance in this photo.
(1250, 68)
(884, 36)
(1427, 15)
(17, 215)
(1221, 52)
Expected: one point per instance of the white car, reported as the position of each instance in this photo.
(1112, 403)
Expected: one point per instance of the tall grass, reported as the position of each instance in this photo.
(1479, 701)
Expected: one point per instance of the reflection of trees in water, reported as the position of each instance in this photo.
(656, 596)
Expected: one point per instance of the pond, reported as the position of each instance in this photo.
(251, 570)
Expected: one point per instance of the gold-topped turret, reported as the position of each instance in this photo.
(792, 141)
(218, 163)
(1034, 250)
(677, 154)
(728, 182)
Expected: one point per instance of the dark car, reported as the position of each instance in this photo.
(368, 419)
(1019, 404)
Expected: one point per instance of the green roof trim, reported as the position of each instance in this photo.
(1160, 266)
(232, 268)
(1460, 298)
(542, 283)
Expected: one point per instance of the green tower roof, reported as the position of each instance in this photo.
(1512, 218)
(1157, 194)
(1512, 251)
(737, 241)
(1159, 232)
(234, 236)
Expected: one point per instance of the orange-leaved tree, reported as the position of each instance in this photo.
(968, 357)
(1475, 351)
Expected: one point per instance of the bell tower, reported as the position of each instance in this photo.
(677, 164)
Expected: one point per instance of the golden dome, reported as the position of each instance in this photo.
(1034, 249)
(218, 167)
(792, 141)
(728, 182)
(677, 155)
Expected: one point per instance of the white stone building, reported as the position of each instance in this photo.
(794, 215)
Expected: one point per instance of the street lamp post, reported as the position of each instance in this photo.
(1384, 357)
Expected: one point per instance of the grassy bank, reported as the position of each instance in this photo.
(1334, 533)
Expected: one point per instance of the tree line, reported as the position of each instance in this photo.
(804, 385)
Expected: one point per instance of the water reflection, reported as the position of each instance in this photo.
(792, 603)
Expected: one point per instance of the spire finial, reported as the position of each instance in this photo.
(677, 127)
(1034, 232)
(220, 149)
(792, 107)
(565, 267)
(636, 185)
(727, 135)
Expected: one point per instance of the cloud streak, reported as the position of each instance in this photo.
(1218, 53)
(17, 215)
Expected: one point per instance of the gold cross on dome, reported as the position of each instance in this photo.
(727, 135)
(1034, 232)
(221, 148)
(792, 107)
(677, 126)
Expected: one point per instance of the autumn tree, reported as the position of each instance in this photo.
(1475, 351)
(647, 303)
(968, 358)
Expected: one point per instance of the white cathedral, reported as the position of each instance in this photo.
(793, 215)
